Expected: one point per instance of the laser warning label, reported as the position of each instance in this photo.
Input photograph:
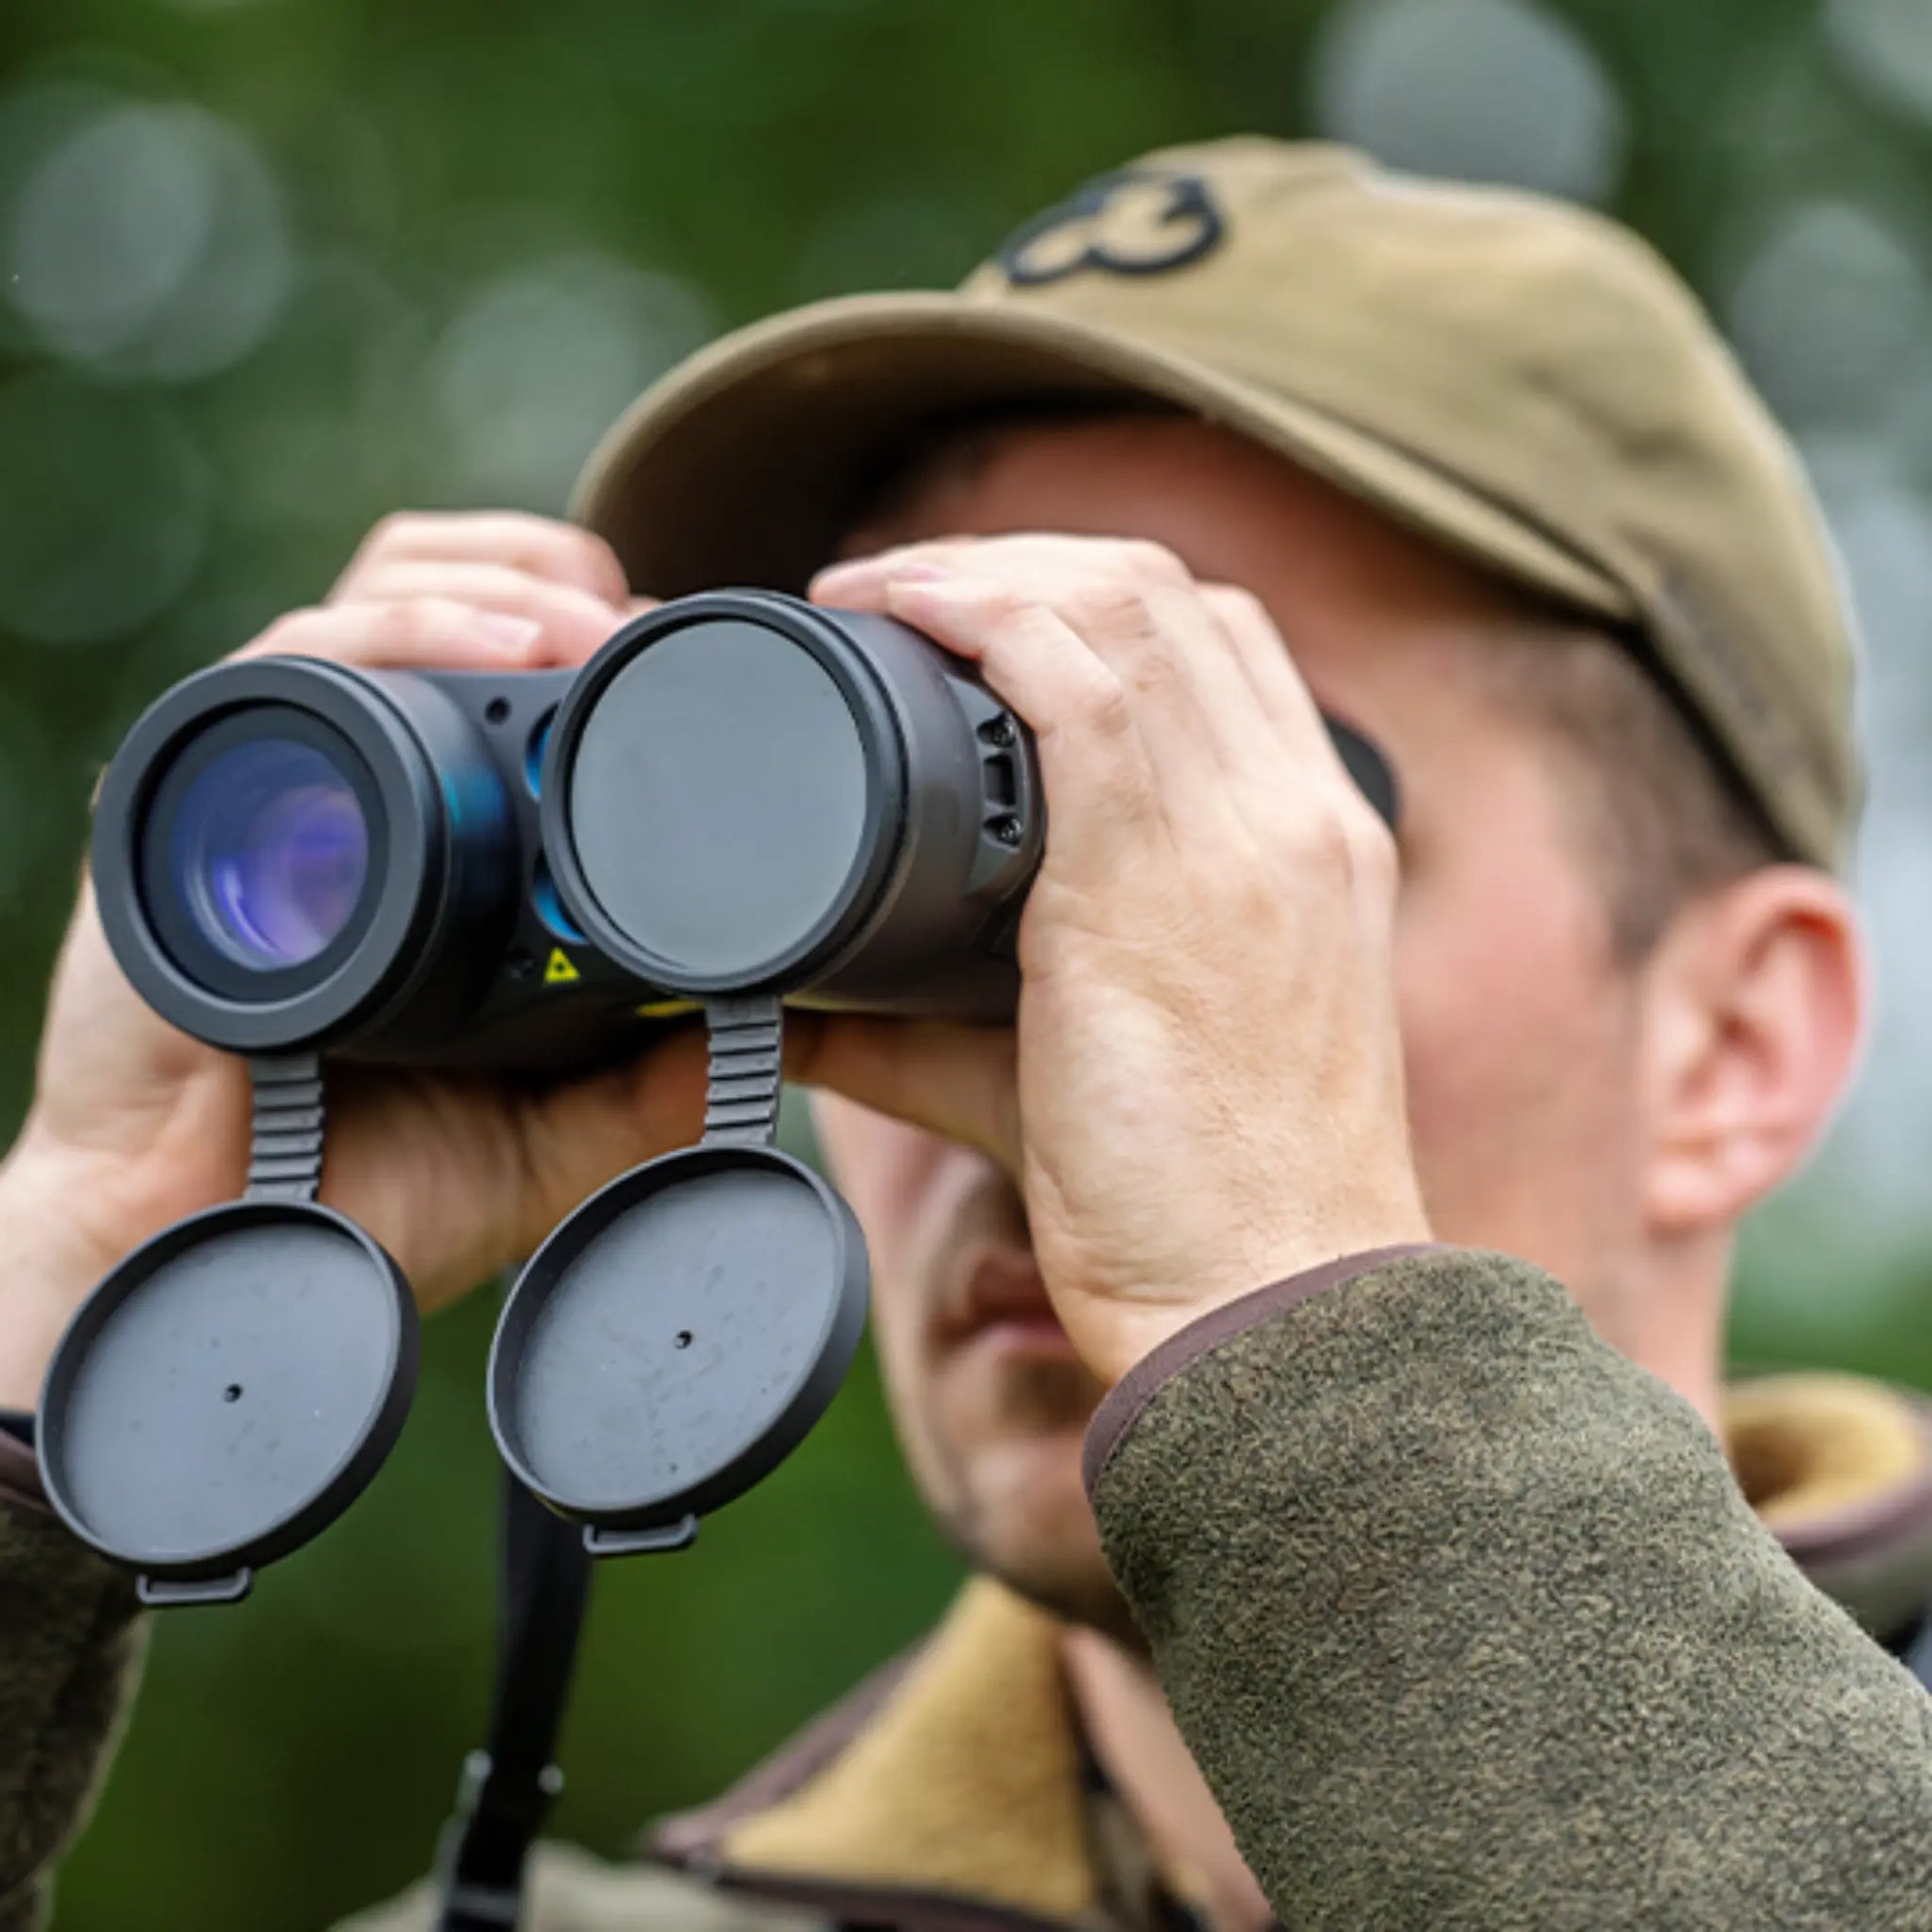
(559, 972)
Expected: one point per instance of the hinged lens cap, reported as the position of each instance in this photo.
(677, 1336)
(227, 1393)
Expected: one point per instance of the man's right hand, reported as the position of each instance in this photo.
(134, 1124)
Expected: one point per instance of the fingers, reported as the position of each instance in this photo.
(563, 582)
(958, 1081)
(1268, 670)
(573, 622)
(1101, 789)
(538, 546)
(1206, 675)
(1108, 645)
(1132, 605)
(465, 590)
(1297, 725)
(420, 633)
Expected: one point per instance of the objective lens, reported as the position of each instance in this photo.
(271, 852)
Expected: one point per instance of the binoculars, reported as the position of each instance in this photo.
(742, 801)
(739, 794)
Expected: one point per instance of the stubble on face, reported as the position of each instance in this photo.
(991, 1423)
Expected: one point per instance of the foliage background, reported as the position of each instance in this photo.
(269, 268)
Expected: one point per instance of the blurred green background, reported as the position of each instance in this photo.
(269, 268)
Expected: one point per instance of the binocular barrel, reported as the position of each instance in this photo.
(739, 794)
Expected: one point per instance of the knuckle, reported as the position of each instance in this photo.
(1234, 603)
(388, 540)
(1102, 707)
(391, 531)
(568, 542)
(1009, 608)
(1151, 562)
(569, 551)
(289, 635)
(1258, 896)
(1338, 837)
(425, 621)
(1375, 859)
(1118, 609)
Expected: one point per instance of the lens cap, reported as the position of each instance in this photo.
(675, 1340)
(227, 1393)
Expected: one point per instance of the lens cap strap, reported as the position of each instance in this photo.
(747, 1071)
(507, 1789)
(285, 1143)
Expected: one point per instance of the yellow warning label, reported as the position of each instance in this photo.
(666, 1009)
(560, 972)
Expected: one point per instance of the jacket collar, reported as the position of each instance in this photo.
(949, 1791)
(952, 1776)
(1840, 1469)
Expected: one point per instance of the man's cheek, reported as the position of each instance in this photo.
(1488, 1047)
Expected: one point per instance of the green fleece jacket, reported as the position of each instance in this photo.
(1466, 1619)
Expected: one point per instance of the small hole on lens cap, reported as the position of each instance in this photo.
(683, 1339)
(232, 1393)
(496, 710)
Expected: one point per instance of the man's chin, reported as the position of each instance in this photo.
(1029, 1526)
(1068, 1588)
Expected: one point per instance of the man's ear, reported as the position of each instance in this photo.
(1754, 1004)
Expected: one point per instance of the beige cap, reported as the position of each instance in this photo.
(1523, 382)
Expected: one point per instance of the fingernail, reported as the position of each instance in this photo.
(920, 572)
(506, 632)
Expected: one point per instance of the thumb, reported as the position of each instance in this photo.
(954, 1080)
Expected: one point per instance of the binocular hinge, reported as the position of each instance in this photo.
(741, 1104)
(285, 1149)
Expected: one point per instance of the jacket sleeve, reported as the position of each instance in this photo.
(1468, 1625)
(70, 1646)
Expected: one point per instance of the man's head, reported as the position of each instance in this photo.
(1622, 1022)
(1625, 1009)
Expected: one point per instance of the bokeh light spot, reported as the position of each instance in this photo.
(1887, 44)
(538, 363)
(152, 239)
(1493, 91)
(1826, 310)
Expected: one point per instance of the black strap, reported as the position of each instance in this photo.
(508, 1787)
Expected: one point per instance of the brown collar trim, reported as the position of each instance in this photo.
(901, 1906)
(1898, 1512)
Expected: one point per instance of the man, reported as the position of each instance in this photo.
(1414, 1589)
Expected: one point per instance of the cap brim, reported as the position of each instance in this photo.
(748, 463)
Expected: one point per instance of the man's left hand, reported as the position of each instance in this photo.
(1209, 1070)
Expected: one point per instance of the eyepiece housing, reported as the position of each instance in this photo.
(286, 853)
(746, 794)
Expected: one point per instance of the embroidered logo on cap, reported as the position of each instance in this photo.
(1138, 221)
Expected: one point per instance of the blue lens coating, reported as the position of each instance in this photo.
(271, 852)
